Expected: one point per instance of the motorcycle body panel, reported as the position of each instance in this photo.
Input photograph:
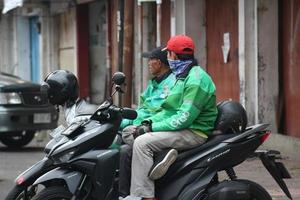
(171, 189)
(31, 174)
(198, 186)
(96, 164)
(71, 178)
(88, 137)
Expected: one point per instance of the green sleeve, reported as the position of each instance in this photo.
(144, 95)
(194, 98)
(127, 122)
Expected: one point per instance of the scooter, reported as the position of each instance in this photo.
(80, 165)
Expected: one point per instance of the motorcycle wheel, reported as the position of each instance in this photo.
(257, 192)
(53, 193)
(15, 194)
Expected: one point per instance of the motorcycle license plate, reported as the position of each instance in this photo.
(41, 118)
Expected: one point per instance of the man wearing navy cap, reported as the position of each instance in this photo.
(150, 103)
(157, 89)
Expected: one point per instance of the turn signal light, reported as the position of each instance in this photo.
(20, 180)
(265, 137)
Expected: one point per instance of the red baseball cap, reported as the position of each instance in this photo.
(181, 44)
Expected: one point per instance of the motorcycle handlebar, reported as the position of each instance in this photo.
(126, 113)
(129, 113)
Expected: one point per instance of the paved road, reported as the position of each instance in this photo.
(14, 162)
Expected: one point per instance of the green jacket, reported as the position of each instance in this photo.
(152, 98)
(190, 104)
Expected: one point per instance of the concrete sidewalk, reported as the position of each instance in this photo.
(254, 170)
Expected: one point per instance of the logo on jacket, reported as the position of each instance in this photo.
(180, 120)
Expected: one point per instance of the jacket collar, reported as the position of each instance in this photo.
(159, 79)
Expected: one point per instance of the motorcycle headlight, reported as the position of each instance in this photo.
(64, 157)
(10, 98)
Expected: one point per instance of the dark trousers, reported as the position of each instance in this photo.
(125, 170)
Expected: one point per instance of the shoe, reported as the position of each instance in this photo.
(162, 163)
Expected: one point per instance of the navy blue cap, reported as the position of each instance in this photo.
(157, 53)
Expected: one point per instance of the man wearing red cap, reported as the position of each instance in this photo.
(185, 119)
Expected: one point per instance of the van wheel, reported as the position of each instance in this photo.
(53, 193)
(17, 139)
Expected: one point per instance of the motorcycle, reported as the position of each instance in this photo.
(80, 165)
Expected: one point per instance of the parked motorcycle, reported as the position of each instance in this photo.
(80, 165)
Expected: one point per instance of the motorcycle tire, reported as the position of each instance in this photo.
(257, 192)
(15, 194)
(53, 193)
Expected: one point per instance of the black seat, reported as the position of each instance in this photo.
(212, 140)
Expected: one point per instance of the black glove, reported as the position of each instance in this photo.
(145, 127)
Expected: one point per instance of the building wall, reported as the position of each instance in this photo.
(67, 40)
(98, 61)
(260, 86)
(49, 42)
(8, 50)
(260, 55)
(290, 68)
(145, 40)
(137, 78)
(23, 48)
(15, 41)
(248, 63)
(222, 31)
(268, 81)
(196, 28)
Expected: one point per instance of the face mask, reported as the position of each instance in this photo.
(178, 66)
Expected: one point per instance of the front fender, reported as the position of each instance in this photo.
(71, 178)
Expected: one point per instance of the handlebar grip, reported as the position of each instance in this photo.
(129, 113)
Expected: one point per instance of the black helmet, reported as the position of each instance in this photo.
(232, 117)
(61, 87)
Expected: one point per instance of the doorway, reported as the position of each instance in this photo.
(34, 32)
(222, 30)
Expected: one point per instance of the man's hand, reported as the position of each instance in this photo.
(129, 134)
(144, 128)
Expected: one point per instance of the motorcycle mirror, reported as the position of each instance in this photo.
(118, 78)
